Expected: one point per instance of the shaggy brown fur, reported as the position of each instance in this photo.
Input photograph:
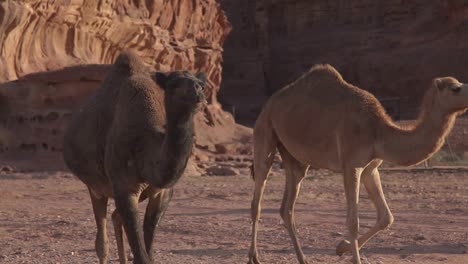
(132, 142)
(322, 121)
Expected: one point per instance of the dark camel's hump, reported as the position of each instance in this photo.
(129, 63)
(146, 99)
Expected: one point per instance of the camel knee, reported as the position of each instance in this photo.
(256, 200)
(116, 218)
(102, 247)
(253, 210)
(283, 214)
(386, 221)
(287, 216)
(353, 226)
(260, 173)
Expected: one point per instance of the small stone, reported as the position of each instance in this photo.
(191, 170)
(221, 171)
(245, 151)
(337, 234)
(221, 149)
(202, 158)
(6, 169)
(202, 165)
(364, 260)
(419, 237)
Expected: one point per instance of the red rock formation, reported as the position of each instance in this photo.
(48, 35)
(52, 55)
(392, 48)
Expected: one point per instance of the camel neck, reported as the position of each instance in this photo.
(409, 146)
(176, 148)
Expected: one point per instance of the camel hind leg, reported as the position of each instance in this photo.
(352, 178)
(127, 208)
(265, 142)
(295, 172)
(119, 236)
(371, 179)
(100, 213)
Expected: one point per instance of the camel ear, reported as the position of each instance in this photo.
(439, 84)
(161, 79)
(202, 77)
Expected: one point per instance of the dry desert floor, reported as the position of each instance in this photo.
(47, 218)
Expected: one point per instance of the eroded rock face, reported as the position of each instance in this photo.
(54, 54)
(392, 48)
(47, 35)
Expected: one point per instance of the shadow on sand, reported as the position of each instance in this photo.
(456, 248)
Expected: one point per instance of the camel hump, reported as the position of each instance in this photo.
(325, 70)
(129, 63)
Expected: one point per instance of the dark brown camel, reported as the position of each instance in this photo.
(131, 142)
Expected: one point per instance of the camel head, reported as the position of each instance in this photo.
(183, 89)
(452, 94)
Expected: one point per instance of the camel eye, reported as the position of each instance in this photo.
(456, 89)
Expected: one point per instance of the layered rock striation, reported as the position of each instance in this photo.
(54, 54)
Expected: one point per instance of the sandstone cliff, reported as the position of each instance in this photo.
(392, 48)
(53, 55)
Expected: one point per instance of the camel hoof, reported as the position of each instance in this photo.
(342, 247)
(254, 260)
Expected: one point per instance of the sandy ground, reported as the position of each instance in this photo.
(47, 218)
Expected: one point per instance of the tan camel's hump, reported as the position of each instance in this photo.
(355, 98)
(320, 78)
(325, 70)
(323, 89)
(315, 109)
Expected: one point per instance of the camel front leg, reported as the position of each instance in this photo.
(371, 180)
(351, 184)
(295, 172)
(255, 214)
(127, 207)
(119, 237)
(265, 142)
(100, 213)
(293, 184)
(155, 210)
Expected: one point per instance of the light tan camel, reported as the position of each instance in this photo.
(132, 142)
(322, 121)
